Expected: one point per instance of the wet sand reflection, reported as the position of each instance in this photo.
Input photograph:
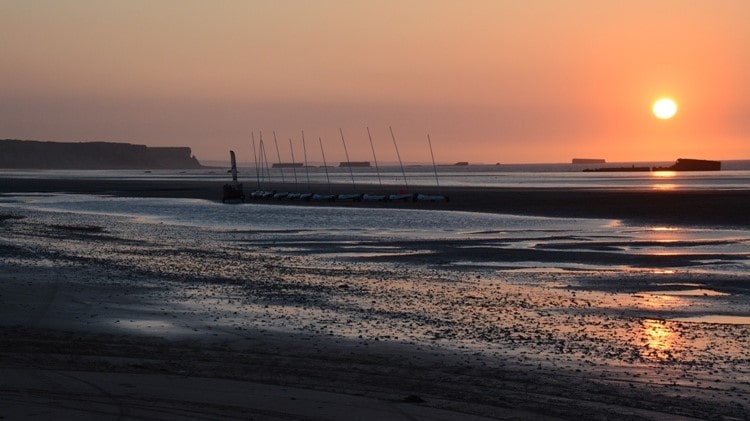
(660, 340)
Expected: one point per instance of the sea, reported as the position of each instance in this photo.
(507, 242)
(734, 175)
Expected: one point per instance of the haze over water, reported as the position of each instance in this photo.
(734, 175)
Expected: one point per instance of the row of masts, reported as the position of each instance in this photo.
(263, 167)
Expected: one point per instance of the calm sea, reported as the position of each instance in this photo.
(734, 175)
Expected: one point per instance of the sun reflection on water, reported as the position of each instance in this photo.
(664, 234)
(659, 339)
(664, 175)
(658, 301)
(664, 187)
(665, 229)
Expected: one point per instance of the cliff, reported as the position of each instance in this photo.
(30, 154)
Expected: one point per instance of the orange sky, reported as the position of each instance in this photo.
(491, 81)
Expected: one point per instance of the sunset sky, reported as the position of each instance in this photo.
(490, 81)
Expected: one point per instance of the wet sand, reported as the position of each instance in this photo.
(677, 207)
(106, 318)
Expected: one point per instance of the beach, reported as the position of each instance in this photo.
(112, 317)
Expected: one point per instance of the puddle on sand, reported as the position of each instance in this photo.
(537, 266)
(697, 292)
(716, 319)
(148, 326)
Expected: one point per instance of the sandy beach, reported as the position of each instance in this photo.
(116, 319)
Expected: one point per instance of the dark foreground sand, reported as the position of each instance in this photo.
(106, 322)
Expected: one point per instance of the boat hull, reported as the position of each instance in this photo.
(232, 193)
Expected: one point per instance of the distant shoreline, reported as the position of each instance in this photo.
(710, 208)
(35, 154)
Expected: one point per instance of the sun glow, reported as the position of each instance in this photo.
(664, 108)
(659, 339)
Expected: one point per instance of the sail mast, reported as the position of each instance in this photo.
(348, 162)
(325, 164)
(265, 160)
(307, 167)
(294, 169)
(375, 158)
(278, 157)
(255, 160)
(434, 167)
(406, 183)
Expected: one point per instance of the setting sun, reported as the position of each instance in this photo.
(664, 108)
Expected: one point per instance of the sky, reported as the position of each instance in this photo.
(527, 81)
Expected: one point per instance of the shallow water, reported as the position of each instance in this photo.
(734, 175)
(462, 239)
(280, 220)
(716, 319)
